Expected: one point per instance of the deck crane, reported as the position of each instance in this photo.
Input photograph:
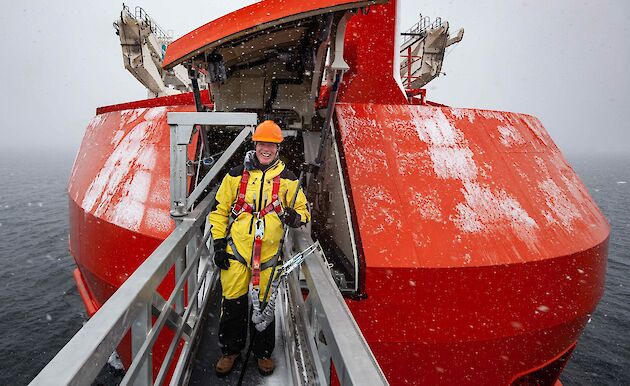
(143, 43)
(422, 51)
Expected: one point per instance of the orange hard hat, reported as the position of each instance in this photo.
(268, 131)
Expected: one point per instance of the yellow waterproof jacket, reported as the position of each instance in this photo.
(242, 230)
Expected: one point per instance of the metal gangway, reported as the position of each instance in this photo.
(312, 332)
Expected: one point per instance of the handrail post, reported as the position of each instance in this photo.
(139, 331)
(180, 267)
(191, 252)
(181, 135)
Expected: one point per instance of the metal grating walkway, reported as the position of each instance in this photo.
(208, 353)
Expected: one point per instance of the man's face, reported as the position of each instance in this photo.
(266, 152)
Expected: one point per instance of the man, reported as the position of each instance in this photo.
(252, 205)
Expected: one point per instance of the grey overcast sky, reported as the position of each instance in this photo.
(563, 61)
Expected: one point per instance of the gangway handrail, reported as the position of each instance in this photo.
(81, 359)
(343, 342)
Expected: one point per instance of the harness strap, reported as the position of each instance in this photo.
(241, 205)
(275, 205)
(275, 195)
(269, 264)
(237, 256)
(260, 229)
(276, 188)
(256, 262)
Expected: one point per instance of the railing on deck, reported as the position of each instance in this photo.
(327, 322)
(419, 29)
(165, 37)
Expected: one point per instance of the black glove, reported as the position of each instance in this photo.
(292, 218)
(221, 257)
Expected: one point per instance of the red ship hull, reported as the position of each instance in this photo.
(481, 325)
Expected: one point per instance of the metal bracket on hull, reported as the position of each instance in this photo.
(182, 128)
(337, 68)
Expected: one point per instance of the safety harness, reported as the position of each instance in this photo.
(262, 318)
(241, 206)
